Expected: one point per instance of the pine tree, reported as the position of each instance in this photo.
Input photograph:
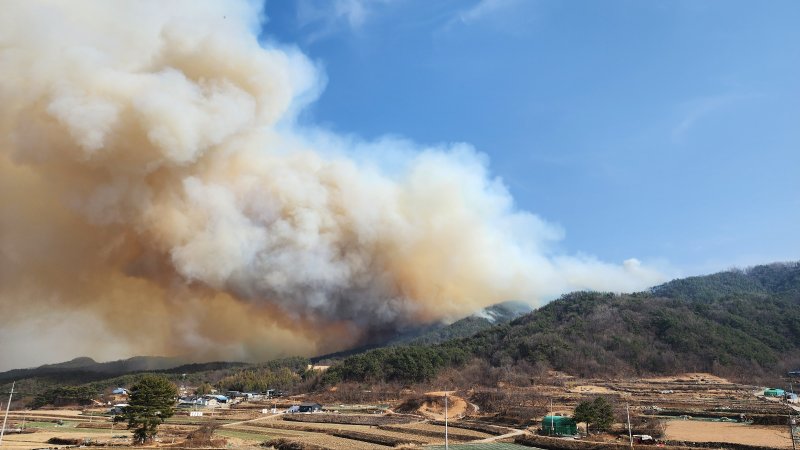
(151, 401)
(598, 414)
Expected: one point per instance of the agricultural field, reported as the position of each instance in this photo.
(737, 433)
(38, 430)
(692, 408)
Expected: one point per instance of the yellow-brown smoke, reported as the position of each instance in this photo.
(158, 198)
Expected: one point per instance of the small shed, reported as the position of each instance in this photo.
(559, 426)
(118, 409)
(310, 407)
(207, 400)
(774, 392)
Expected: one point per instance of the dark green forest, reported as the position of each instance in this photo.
(736, 323)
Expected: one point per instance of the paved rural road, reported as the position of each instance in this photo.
(250, 420)
(503, 436)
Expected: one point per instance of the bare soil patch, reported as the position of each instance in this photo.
(434, 407)
(690, 377)
(736, 433)
(590, 389)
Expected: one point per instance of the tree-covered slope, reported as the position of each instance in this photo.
(485, 318)
(728, 323)
(436, 333)
(781, 279)
(604, 334)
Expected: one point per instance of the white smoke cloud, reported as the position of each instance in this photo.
(152, 177)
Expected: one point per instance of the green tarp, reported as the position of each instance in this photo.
(559, 425)
(773, 392)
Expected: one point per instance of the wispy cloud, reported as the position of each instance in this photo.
(697, 110)
(483, 10)
(330, 17)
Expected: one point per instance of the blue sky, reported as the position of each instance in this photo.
(668, 131)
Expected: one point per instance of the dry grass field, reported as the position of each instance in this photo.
(701, 431)
(716, 401)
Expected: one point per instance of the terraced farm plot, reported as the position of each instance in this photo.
(241, 434)
(48, 430)
(476, 426)
(264, 433)
(352, 419)
(310, 427)
(337, 443)
(388, 435)
(257, 435)
(49, 424)
(482, 446)
(704, 431)
(436, 431)
(330, 428)
(186, 420)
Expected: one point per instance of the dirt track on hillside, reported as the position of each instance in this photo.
(456, 406)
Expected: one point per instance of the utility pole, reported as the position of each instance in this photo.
(792, 432)
(446, 442)
(552, 419)
(630, 433)
(5, 419)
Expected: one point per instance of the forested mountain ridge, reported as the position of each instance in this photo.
(436, 333)
(730, 323)
(781, 279)
(84, 368)
(485, 318)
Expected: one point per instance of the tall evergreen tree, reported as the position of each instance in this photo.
(598, 414)
(151, 401)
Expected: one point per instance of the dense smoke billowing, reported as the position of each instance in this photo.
(159, 199)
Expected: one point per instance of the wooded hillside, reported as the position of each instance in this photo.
(731, 323)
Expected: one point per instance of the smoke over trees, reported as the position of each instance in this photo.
(151, 162)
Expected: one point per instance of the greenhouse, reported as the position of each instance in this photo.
(774, 392)
(559, 426)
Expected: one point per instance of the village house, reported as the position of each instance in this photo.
(310, 407)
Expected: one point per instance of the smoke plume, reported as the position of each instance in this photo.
(159, 198)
